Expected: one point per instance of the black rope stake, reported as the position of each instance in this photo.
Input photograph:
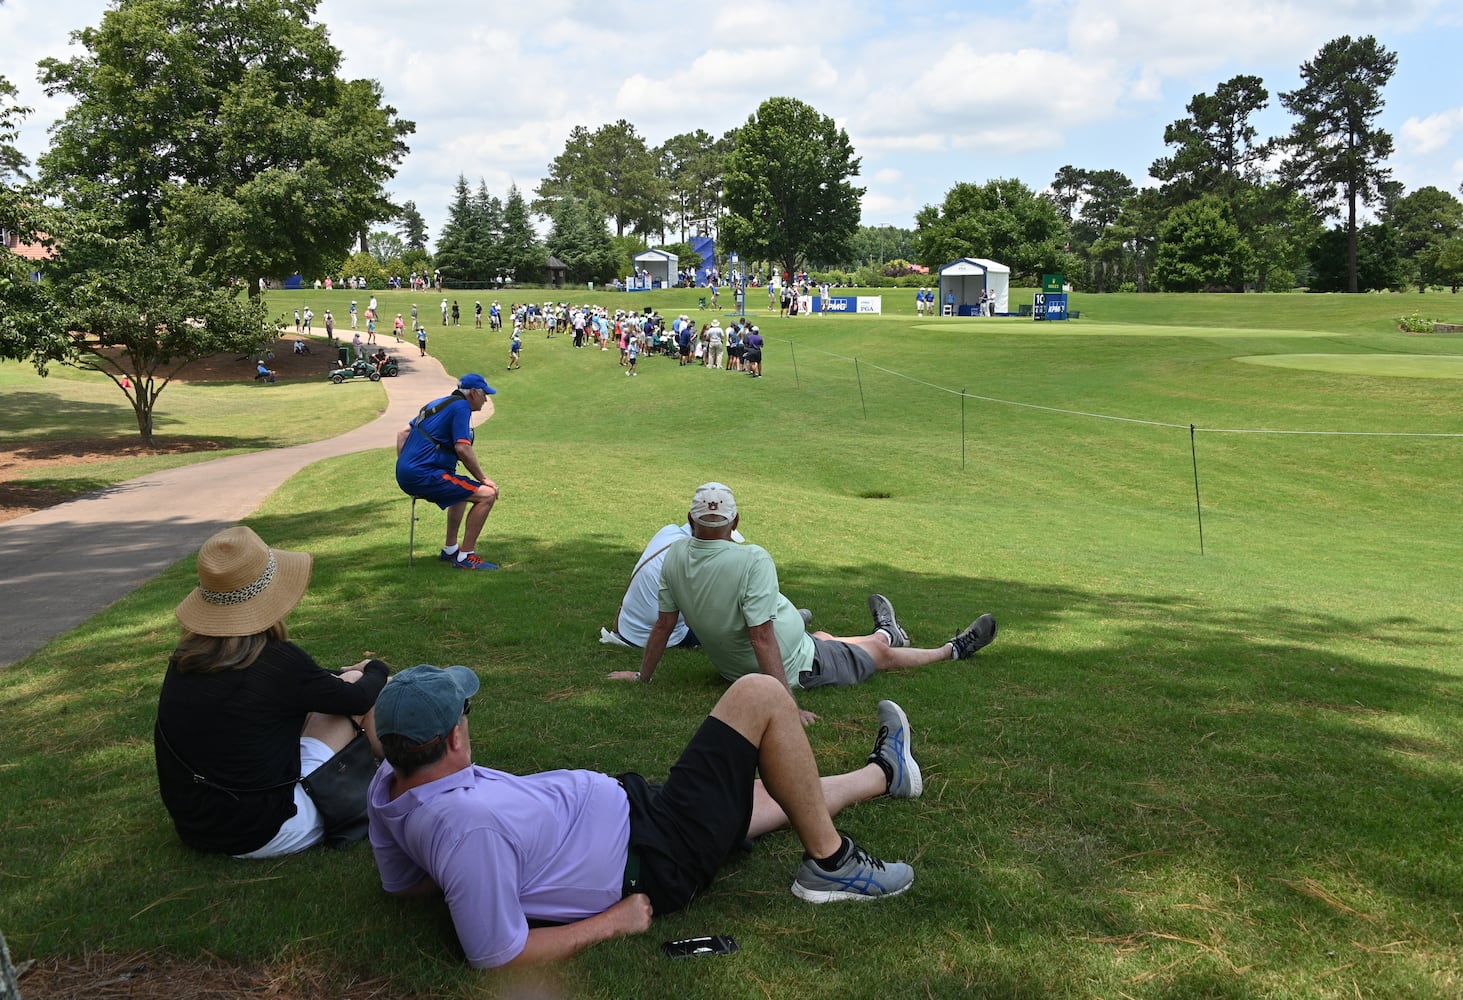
(858, 373)
(1198, 507)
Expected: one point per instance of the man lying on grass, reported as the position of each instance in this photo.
(729, 596)
(598, 856)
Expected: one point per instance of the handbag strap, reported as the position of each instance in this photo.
(643, 563)
(199, 779)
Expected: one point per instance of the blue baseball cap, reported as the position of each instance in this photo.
(424, 702)
(472, 380)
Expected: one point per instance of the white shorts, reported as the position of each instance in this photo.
(305, 828)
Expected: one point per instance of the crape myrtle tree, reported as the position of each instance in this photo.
(1335, 151)
(210, 144)
(789, 195)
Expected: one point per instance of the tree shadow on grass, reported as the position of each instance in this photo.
(37, 414)
(1170, 796)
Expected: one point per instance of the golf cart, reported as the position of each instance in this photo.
(363, 368)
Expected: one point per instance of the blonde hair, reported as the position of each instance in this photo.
(213, 654)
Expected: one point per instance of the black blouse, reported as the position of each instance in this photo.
(241, 729)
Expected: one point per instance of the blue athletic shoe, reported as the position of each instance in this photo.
(473, 561)
(861, 877)
(894, 752)
(447, 557)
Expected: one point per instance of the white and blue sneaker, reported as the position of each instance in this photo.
(860, 876)
(894, 752)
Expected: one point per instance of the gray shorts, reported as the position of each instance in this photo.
(838, 664)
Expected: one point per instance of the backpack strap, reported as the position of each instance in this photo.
(431, 410)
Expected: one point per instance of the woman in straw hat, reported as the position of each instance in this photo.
(244, 713)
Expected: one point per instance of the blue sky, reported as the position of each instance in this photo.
(931, 94)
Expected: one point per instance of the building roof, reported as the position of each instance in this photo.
(30, 251)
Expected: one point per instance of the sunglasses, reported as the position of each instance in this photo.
(467, 707)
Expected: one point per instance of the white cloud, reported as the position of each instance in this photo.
(1430, 134)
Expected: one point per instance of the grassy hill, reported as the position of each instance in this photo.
(1226, 773)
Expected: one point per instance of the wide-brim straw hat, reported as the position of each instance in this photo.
(244, 586)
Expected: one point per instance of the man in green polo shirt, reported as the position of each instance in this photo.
(729, 596)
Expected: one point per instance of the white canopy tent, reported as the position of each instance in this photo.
(660, 265)
(967, 278)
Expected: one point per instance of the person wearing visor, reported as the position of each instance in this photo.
(427, 453)
(598, 856)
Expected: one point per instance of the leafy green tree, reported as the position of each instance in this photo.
(879, 244)
(1198, 246)
(686, 255)
(1425, 220)
(1134, 238)
(385, 246)
(227, 122)
(1378, 263)
(578, 238)
(133, 307)
(1449, 263)
(1278, 226)
(615, 166)
(12, 161)
(412, 227)
(693, 167)
(1003, 220)
(1335, 151)
(789, 194)
(1092, 201)
(365, 265)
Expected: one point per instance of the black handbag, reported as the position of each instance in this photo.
(338, 789)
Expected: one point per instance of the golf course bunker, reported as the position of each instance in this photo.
(1384, 365)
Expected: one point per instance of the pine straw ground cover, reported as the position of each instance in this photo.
(38, 470)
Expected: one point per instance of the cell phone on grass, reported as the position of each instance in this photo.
(714, 944)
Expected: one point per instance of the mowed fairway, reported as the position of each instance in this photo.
(1175, 774)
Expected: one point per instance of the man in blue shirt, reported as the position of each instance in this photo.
(427, 453)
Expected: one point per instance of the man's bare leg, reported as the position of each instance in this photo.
(482, 505)
(763, 711)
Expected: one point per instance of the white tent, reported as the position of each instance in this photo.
(965, 280)
(660, 265)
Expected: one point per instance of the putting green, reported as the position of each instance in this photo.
(1387, 365)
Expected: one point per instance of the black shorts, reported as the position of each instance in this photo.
(685, 829)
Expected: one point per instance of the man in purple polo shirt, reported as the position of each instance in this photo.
(598, 856)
